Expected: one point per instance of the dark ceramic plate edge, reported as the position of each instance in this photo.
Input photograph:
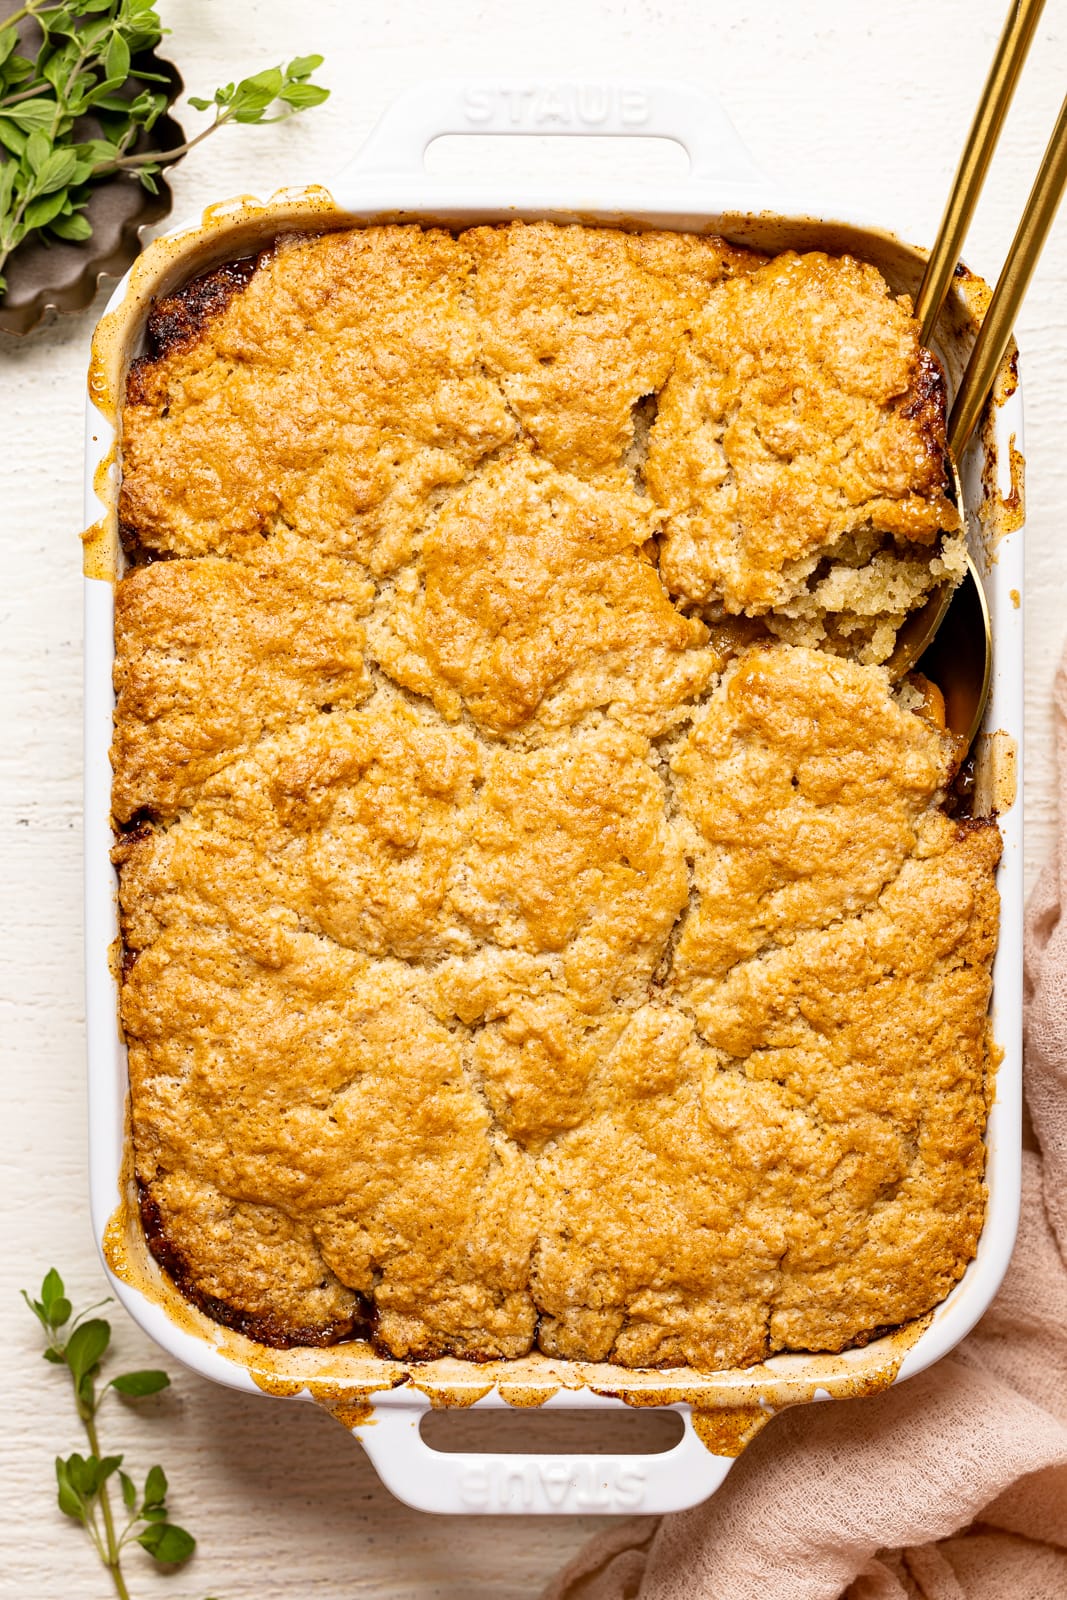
(113, 247)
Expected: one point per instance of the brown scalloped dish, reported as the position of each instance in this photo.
(45, 279)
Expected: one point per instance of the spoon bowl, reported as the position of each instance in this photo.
(950, 641)
(959, 657)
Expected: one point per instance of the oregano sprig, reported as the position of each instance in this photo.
(80, 1344)
(83, 69)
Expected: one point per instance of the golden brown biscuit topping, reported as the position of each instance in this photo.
(515, 955)
(534, 600)
(800, 414)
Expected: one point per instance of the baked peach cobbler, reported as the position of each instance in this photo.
(546, 925)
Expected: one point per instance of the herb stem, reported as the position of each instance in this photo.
(30, 9)
(23, 94)
(94, 1534)
(110, 1556)
(82, 1481)
(158, 157)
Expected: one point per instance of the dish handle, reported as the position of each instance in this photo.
(529, 1485)
(693, 118)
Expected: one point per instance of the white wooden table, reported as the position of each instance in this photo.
(870, 98)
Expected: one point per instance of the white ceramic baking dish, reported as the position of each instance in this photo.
(384, 1401)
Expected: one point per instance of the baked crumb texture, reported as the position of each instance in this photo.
(519, 952)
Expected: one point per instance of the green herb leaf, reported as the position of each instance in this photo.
(70, 1501)
(13, 139)
(87, 1344)
(129, 1491)
(166, 1542)
(39, 213)
(32, 114)
(38, 150)
(267, 82)
(137, 1384)
(303, 66)
(35, 1305)
(155, 1487)
(56, 172)
(84, 1473)
(52, 1290)
(7, 183)
(59, 68)
(73, 229)
(101, 152)
(117, 60)
(255, 94)
(302, 96)
(59, 1313)
(84, 165)
(91, 37)
(18, 69)
(54, 1300)
(105, 97)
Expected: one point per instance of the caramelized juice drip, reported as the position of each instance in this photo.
(725, 1430)
(344, 1379)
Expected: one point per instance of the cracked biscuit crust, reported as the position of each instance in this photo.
(533, 600)
(802, 424)
(215, 652)
(510, 963)
(338, 391)
(788, 1140)
(779, 418)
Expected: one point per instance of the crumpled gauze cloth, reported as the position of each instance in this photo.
(952, 1486)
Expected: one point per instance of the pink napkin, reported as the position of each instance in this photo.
(952, 1487)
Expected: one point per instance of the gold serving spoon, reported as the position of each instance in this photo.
(959, 660)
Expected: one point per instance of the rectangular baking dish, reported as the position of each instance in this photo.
(383, 1401)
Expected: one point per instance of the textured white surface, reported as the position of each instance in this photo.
(867, 100)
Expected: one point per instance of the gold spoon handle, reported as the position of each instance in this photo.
(1026, 247)
(974, 162)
